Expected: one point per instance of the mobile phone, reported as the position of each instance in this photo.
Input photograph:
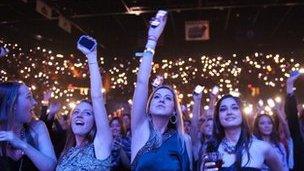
(261, 103)
(294, 73)
(86, 42)
(198, 89)
(215, 90)
(156, 21)
(158, 81)
(271, 103)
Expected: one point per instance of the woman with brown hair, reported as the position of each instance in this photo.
(234, 142)
(88, 144)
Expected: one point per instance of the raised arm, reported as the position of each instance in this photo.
(141, 90)
(282, 120)
(291, 108)
(103, 138)
(195, 124)
(293, 122)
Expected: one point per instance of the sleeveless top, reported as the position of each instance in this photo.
(169, 153)
(82, 158)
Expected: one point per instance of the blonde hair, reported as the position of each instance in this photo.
(179, 125)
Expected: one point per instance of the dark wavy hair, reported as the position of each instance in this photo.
(219, 131)
(70, 136)
(274, 135)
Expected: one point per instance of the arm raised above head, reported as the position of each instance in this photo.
(103, 138)
(141, 90)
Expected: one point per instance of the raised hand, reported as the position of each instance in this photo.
(47, 95)
(87, 52)
(155, 31)
(53, 109)
(290, 83)
(3, 51)
(158, 81)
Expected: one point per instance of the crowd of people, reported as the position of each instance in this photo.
(155, 135)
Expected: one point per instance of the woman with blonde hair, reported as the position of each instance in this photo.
(158, 138)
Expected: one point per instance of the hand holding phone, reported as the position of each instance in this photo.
(198, 89)
(215, 90)
(86, 44)
(157, 25)
(157, 19)
(158, 81)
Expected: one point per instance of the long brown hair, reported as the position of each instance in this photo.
(274, 135)
(245, 137)
(70, 138)
(9, 92)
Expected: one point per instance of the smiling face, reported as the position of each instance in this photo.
(207, 125)
(162, 102)
(187, 126)
(116, 128)
(82, 119)
(24, 105)
(230, 114)
(265, 125)
(126, 121)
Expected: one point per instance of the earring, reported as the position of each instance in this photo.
(173, 119)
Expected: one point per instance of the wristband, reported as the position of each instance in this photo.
(149, 50)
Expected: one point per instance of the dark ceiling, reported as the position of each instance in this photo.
(235, 25)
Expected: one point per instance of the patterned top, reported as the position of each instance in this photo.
(82, 159)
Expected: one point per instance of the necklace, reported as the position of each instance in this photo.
(22, 138)
(228, 147)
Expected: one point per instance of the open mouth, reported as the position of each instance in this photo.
(79, 123)
(229, 118)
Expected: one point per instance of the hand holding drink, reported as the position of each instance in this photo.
(212, 161)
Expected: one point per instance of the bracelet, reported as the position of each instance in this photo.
(149, 50)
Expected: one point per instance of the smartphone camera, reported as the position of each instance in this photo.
(215, 90)
(87, 43)
(156, 21)
(198, 89)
